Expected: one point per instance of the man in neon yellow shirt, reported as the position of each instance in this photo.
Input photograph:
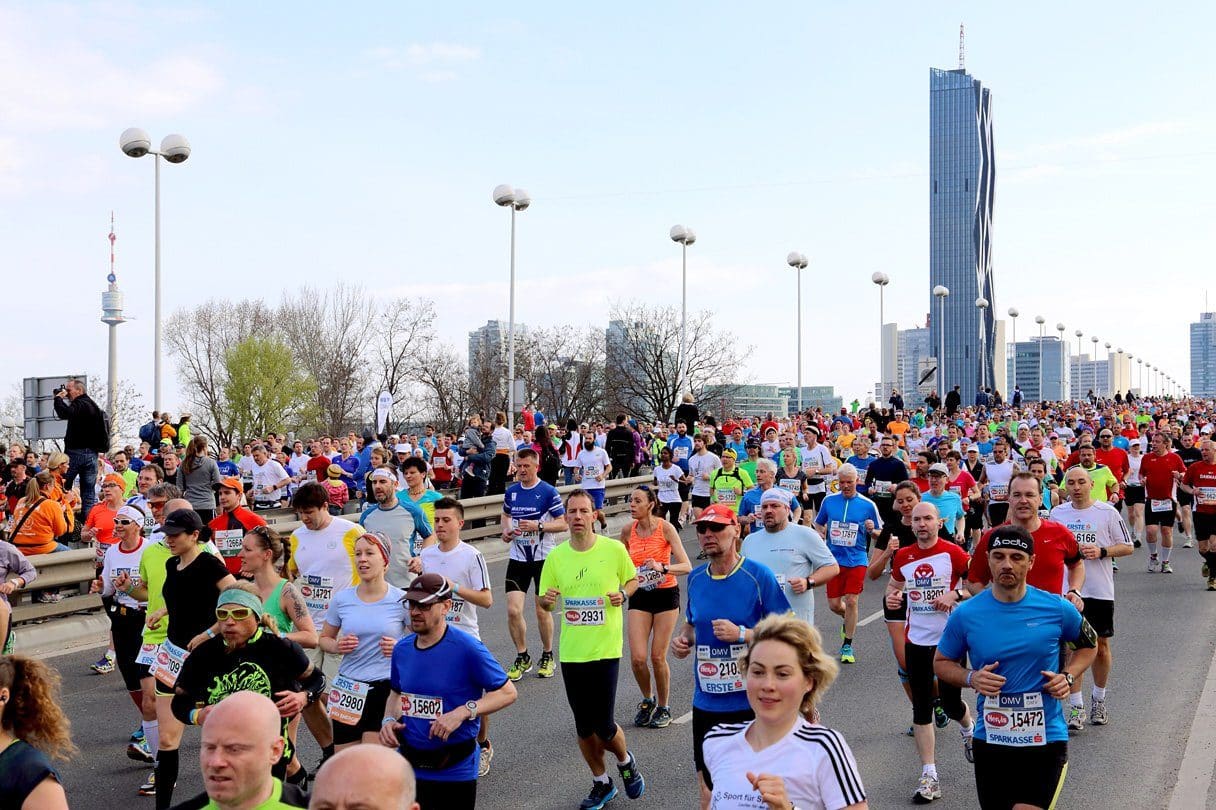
(728, 483)
(590, 577)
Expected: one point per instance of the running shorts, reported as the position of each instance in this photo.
(659, 600)
(1163, 518)
(1100, 613)
(521, 574)
(1205, 525)
(700, 501)
(1134, 494)
(369, 721)
(1005, 776)
(591, 693)
(850, 580)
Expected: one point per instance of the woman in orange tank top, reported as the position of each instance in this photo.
(658, 553)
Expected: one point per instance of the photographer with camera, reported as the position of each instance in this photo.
(87, 435)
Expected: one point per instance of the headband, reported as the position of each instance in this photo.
(235, 596)
(381, 542)
(132, 512)
(383, 472)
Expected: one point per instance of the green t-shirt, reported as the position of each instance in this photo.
(748, 467)
(728, 488)
(591, 628)
(152, 574)
(1102, 476)
(275, 802)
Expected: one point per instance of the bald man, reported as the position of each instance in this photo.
(368, 777)
(241, 740)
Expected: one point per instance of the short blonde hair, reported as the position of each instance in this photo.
(816, 665)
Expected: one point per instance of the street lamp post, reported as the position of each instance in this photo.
(1078, 336)
(1013, 315)
(881, 280)
(1040, 320)
(136, 143)
(1110, 377)
(798, 261)
(684, 237)
(941, 291)
(1140, 375)
(981, 304)
(517, 200)
(1064, 393)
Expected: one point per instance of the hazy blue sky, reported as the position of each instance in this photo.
(364, 144)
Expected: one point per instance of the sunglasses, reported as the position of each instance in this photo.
(705, 528)
(237, 614)
(123, 522)
(157, 504)
(420, 606)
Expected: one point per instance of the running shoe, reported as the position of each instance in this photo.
(846, 654)
(487, 754)
(1114, 565)
(104, 665)
(138, 734)
(1136, 542)
(1076, 718)
(1097, 713)
(635, 785)
(1207, 572)
(661, 718)
(911, 731)
(601, 794)
(968, 736)
(149, 788)
(546, 666)
(1212, 583)
(523, 663)
(49, 597)
(1153, 565)
(1166, 568)
(940, 718)
(927, 789)
(1189, 543)
(139, 752)
(646, 710)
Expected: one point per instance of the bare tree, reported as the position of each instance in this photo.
(563, 371)
(328, 333)
(401, 340)
(642, 358)
(199, 339)
(486, 379)
(443, 380)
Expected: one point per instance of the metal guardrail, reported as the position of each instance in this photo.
(76, 568)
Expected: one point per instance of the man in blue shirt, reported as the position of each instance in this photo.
(749, 504)
(1011, 634)
(681, 448)
(949, 504)
(846, 520)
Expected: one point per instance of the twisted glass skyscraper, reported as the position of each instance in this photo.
(962, 172)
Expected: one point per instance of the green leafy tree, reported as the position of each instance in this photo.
(264, 390)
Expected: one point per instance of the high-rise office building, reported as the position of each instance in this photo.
(962, 173)
(914, 347)
(1046, 380)
(1203, 355)
(1088, 375)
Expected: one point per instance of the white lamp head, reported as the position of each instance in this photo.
(503, 195)
(941, 291)
(881, 279)
(1013, 312)
(1059, 327)
(522, 199)
(1040, 320)
(134, 142)
(1078, 333)
(175, 148)
(981, 302)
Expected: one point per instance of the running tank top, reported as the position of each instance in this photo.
(653, 547)
(273, 606)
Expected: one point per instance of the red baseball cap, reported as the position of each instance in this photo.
(233, 483)
(718, 513)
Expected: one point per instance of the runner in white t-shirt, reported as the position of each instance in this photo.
(270, 480)
(593, 469)
(701, 466)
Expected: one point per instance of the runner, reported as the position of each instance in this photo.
(655, 606)
(1160, 471)
(362, 625)
(532, 517)
(261, 559)
(995, 479)
(668, 478)
(1184, 446)
(930, 573)
(726, 596)
(1013, 635)
(398, 518)
(818, 464)
(1200, 482)
(749, 505)
(848, 539)
(781, 759)
(1134, 493)
(795, 554)
(233, 523)
(592, 576)
(464, 568)
(1101, 536)
(701, 469)
(949, 504)
(882, 475)
(728, 483)
(98, 529)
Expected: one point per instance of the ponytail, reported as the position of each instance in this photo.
(32, 712)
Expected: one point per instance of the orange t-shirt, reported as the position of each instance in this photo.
(101, 521)
(653, 547)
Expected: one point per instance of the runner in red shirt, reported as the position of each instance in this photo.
(1113, 457)
(441, 464)
(1055, 547)
(1200, 481)
(1160, 470)
(234, 521)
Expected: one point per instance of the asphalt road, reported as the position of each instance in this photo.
(1162, 658)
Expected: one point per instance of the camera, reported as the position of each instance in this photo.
(63, 389)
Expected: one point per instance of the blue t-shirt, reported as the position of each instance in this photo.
(443, 677)
(749, 504)
(744, 596)
(845, 519)
(681, 449)
(740, 449)
(862, 463)
(949, 508)
(369, 621)
(1024, 637)
(226, 468)
(540, 502)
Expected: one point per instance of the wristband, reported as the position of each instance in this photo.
(210, 633)
(970, 672)
(742, 634)
(1102, 552)
(455, 589)
(386, 721)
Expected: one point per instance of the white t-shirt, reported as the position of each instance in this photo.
(669, 483)
(503, 441)
(998, 476)
(701, 467)
(1099, 524)
(818, 457)
(325, 561)
(814, 762)
(267, 475)
(464, 566)
(592, 462)
(118, 562)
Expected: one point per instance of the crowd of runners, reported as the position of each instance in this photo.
(994, 533)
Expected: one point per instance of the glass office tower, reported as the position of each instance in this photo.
(962, 172)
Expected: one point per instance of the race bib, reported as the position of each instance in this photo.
(99, 553)
(649, 579)
(880, 487)
(1157, 505)
(922, 592)
(726, 496)
(317, 591)
(999, 492)
(456, 614)
(1044, 514)
(421, 707)
(579, 612)
(230, 541)
(680, 453)
(169, 662)
(525, 538)
(1085, 534)
(147, 655)
(718, 669)
(1017, 721)
(438, 462)
(346, 700)
(842, 534)
(791, 485)
(592, 471)
(133, 573)
(1205, 495)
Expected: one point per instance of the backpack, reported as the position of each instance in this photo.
(148, 433)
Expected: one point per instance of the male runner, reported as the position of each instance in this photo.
(1160, 471)
(1200, 482)
(995, 479)
(846, 520)
(795, 554)
(399, 519)
(701, 467)
(749, 504)
(882, 476)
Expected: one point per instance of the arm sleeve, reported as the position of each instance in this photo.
(23, 568)
(486, 672)
(953, 642)
(772, 597)
(555, 507)
(817, 551)
(546, 576)
(837, 775)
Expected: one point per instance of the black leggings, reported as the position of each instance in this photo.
(591, 693)
(671, 511)
(920, 680)
(433, 795)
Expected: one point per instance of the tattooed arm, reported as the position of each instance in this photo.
(304, 632)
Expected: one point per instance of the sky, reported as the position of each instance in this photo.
(363, 145)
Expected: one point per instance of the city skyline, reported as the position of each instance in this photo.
(368, 150)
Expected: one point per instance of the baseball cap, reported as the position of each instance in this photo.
(939, 468)
(166, 443)
(427, 589)
(401, 448)
(182, 521)
(717, 513)
(233, 483)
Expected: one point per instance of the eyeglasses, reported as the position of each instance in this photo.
(237, 614)
(157, 504)
(123, 522)
(420, 606)
(704, 528)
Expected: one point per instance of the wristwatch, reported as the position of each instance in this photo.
(1069, 678)
(472, 707)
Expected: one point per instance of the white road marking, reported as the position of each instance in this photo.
(873, 617)
(682, 719)
(1195, 771)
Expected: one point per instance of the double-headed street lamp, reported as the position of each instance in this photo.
(981, 304)
(684, 237)
(798, 261)
(517, 200)
(881, 280)
(1040, 320)
(941, 292)
(1013, 316)
(136, 143)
